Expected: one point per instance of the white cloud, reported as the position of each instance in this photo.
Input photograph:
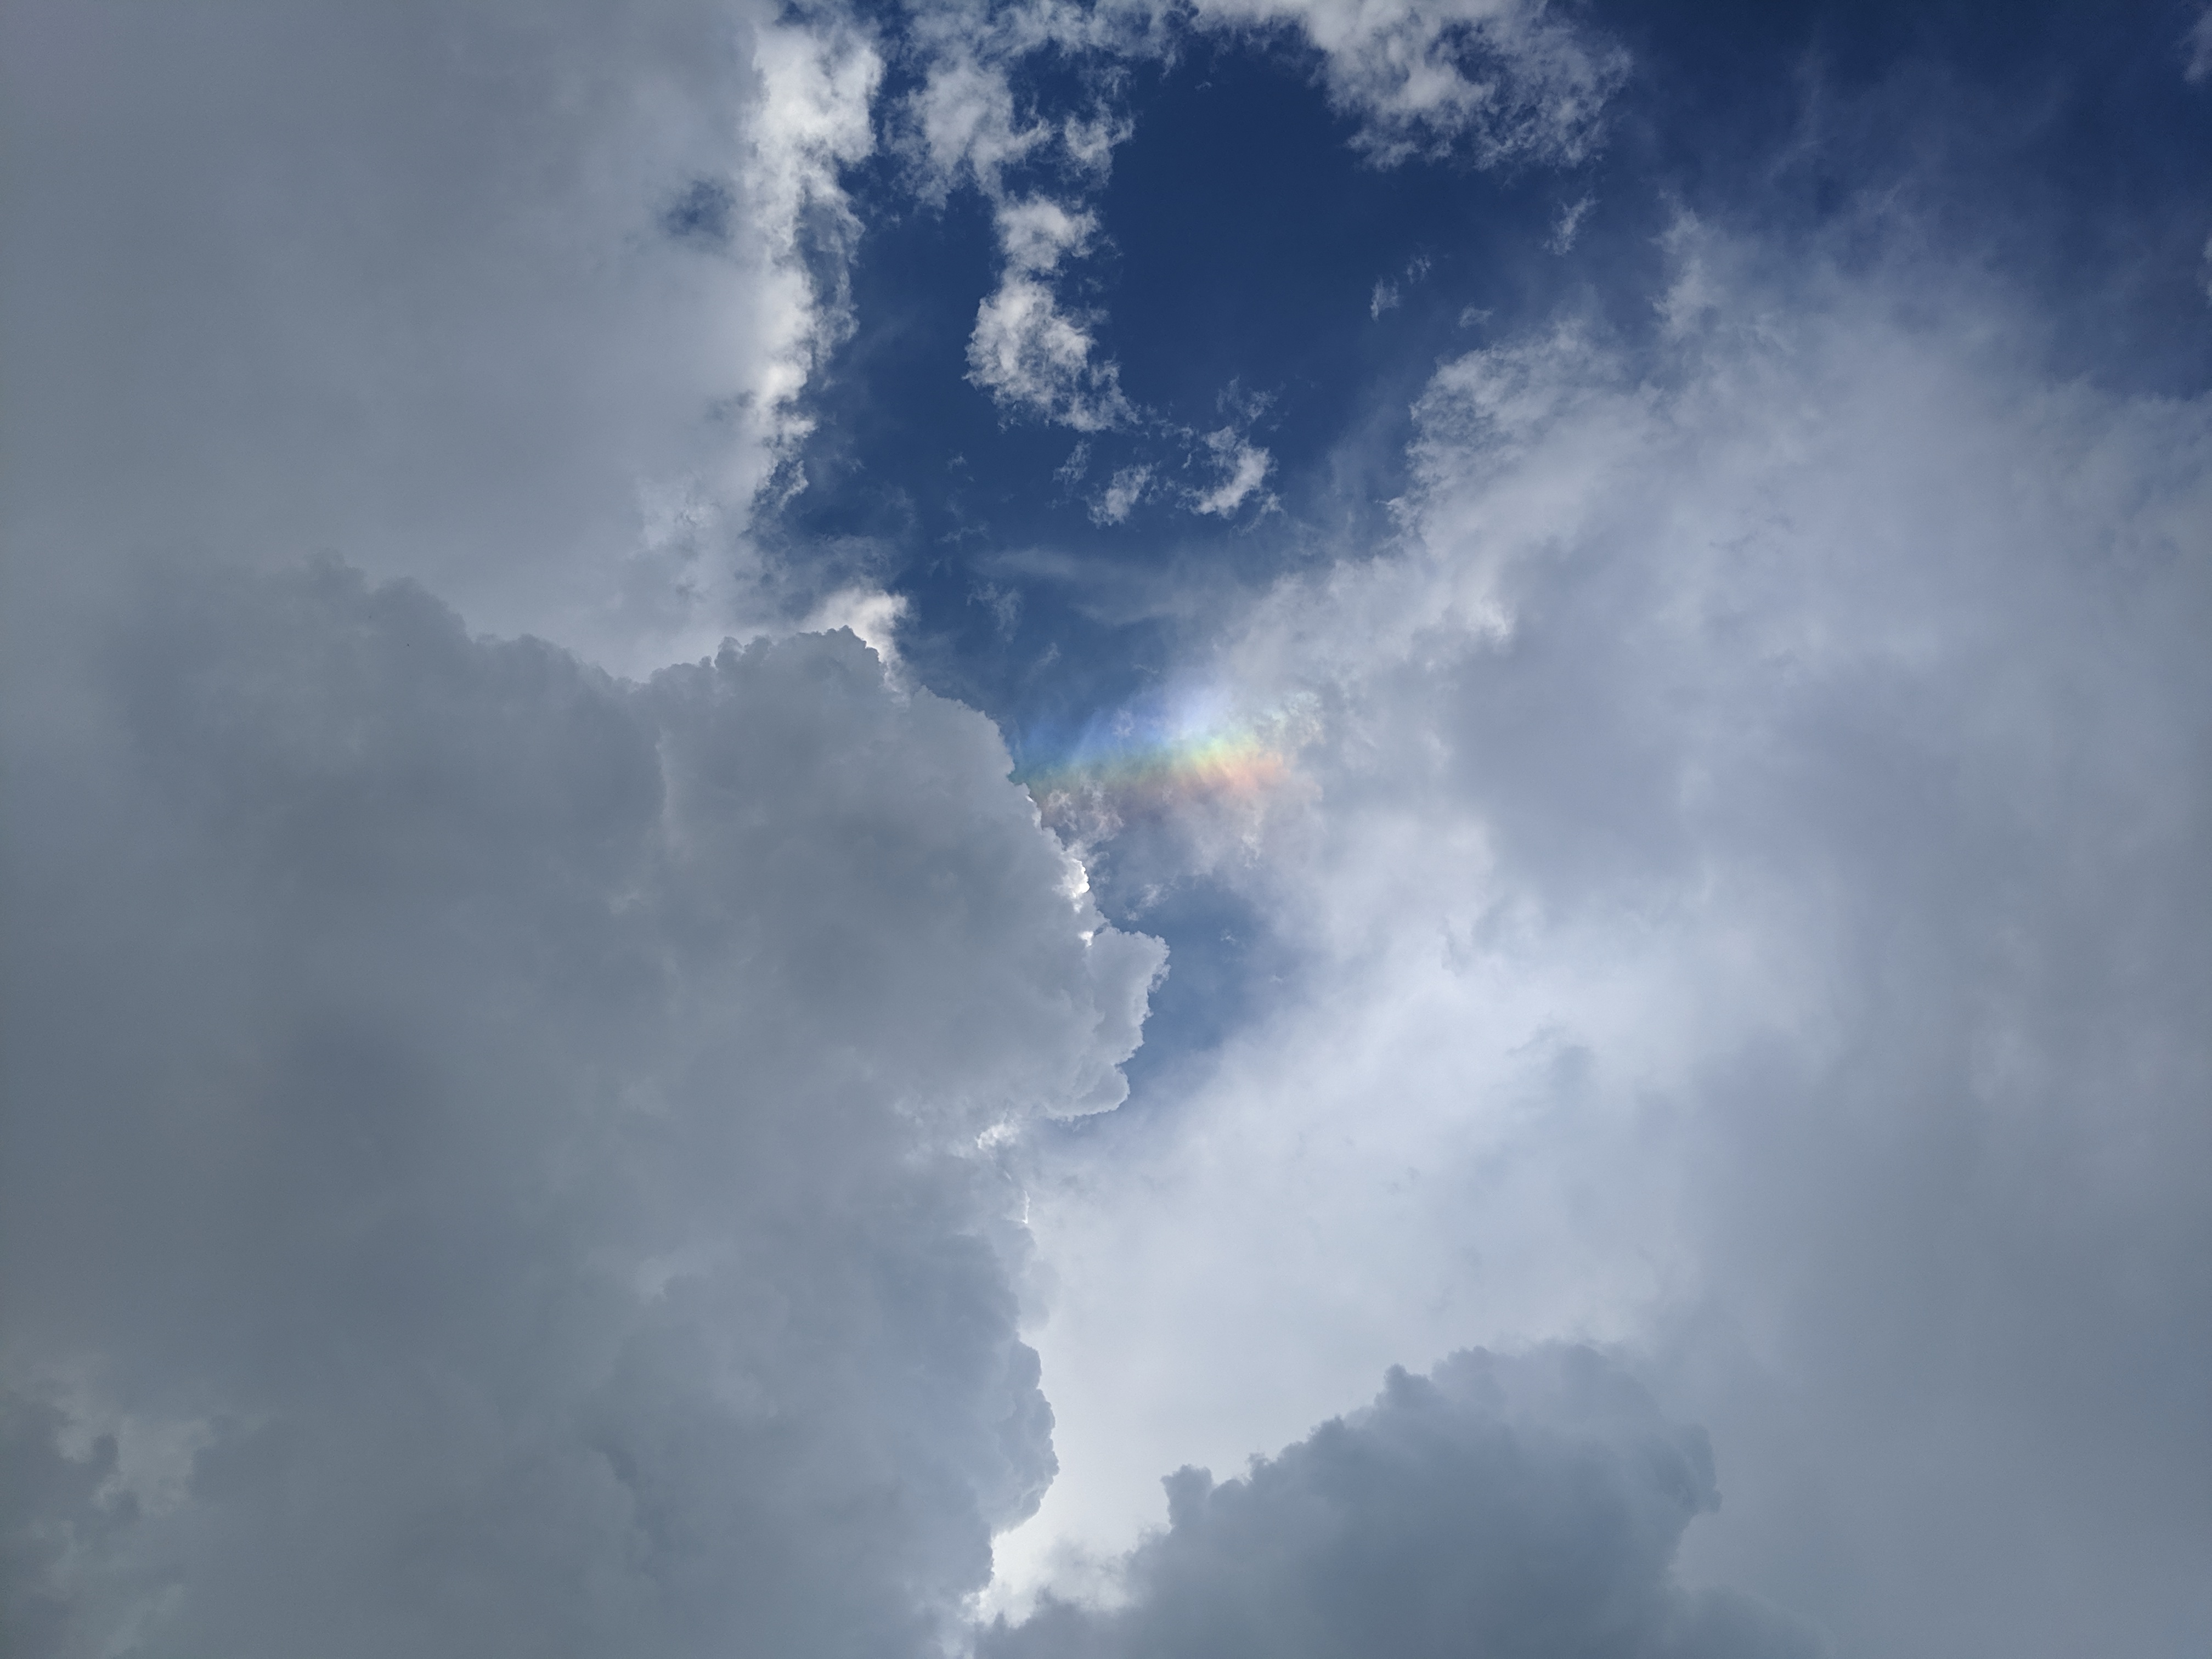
(1747, 904)
(525, 304)
(1027, 351)
(1569, 224)
(1495, 80)
(812, 118)
(1244, 465)
(966, 125)
(1035, 234)
(1127, 488)
(502, 1158)
(872, 615)
(497, 1158)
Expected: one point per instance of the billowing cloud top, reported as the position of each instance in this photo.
(536, 1125)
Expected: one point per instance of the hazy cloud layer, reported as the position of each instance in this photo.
(497, 1160)
(1744, 899)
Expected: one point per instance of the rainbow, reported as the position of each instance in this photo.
(1134, 761)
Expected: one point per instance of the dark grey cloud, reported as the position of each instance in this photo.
(498, 1159)
(1505, 1506)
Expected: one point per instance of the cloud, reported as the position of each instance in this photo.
(1026, 350)
(1495, 80)
(499, 1158)
(1569, 224)
(1747, 907)
(967, 123)
(519, 303)
(1507, 1505)
(1122, 495)
(1245, 465)
(526, 305)
(817, 83)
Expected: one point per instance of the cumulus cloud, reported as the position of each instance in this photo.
(1747, 905)
(1505, 1504)
(499, 1159)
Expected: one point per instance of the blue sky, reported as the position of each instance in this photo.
(1274, 826)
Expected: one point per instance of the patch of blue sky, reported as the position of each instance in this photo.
(1253, 273)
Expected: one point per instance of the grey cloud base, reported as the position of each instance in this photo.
(492, 1152)
(1503, 1506)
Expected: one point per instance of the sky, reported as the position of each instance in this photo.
(964, 830)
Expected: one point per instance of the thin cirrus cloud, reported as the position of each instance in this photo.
(618, 1145)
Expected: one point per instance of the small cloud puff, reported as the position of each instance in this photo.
(1569, 224)
(1028, 353)
(1495, 80)
(1115, 502)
